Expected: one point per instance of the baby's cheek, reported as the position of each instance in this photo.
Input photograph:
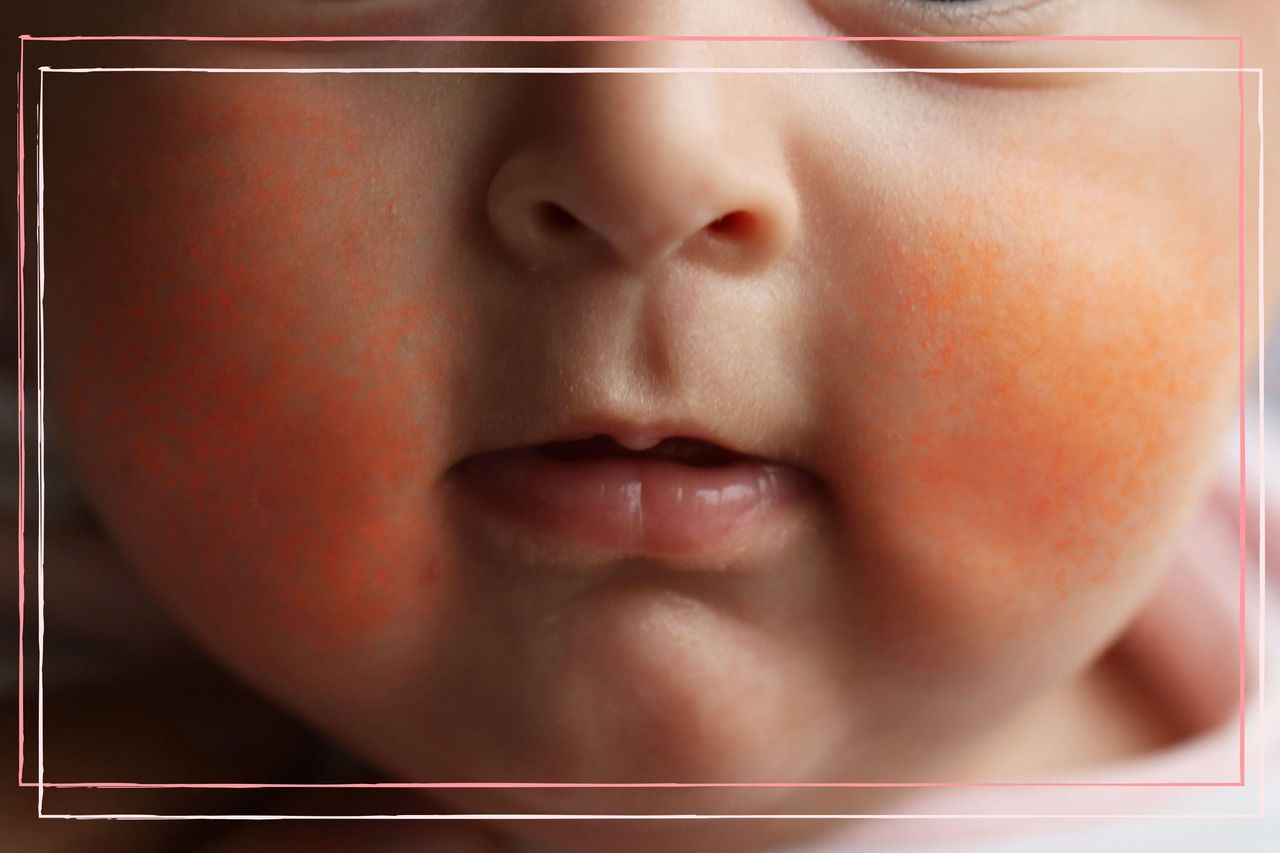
(1042, 412)
(258, 369)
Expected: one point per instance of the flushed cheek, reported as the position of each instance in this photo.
(260, 377)
(1042, 411)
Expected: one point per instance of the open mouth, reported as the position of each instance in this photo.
(679, 496)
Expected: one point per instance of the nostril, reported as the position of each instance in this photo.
(736, 225)
(556, 218)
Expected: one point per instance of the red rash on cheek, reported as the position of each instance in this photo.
(1040, 400)
(265, 369)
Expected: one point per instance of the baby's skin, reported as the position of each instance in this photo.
(957, 351)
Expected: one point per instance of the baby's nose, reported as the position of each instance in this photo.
(635, 167)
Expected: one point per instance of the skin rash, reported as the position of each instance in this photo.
(263, 414)
(1036, 461)
(1020, 415)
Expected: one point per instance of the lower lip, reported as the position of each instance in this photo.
(635, 505)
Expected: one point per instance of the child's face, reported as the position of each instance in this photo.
(983, 328)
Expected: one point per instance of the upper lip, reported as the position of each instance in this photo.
(743, 439)
(637, 435)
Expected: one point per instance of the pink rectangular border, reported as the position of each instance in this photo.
(533, 39)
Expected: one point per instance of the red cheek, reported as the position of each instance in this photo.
(266, 370)
(1033, 413)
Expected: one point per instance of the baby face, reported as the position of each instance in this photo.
(906, 383)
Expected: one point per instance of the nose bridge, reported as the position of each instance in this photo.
(641, 153)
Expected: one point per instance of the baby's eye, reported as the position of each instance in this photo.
(958, 17)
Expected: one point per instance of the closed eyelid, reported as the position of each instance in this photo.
(1006, 35)
(942, 18)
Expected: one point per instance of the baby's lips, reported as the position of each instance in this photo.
(672, 437)
(639, 491)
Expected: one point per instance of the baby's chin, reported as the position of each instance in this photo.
(652, 685)
(637, 685)
(685, 830)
